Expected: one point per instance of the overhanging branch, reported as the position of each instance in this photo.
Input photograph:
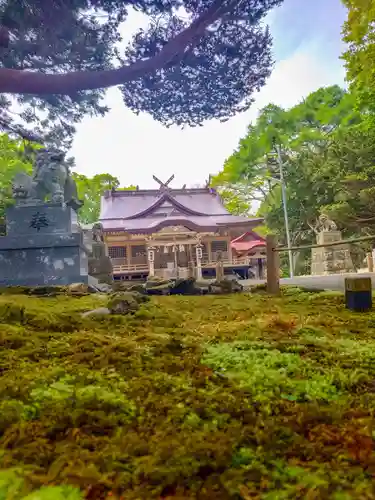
(28, 82)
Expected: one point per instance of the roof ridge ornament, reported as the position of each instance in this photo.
(164, 186)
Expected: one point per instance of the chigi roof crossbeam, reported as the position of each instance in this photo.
(163, 186)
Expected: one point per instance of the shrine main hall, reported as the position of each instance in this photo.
(166, 232)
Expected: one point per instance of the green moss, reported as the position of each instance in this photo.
(10, 312)
(225, 397)
(13, 486)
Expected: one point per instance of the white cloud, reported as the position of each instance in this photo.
(133, 148)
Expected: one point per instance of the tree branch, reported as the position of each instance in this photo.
(28, 82)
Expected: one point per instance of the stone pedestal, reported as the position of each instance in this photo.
(191, 270)
(219, 271)
(100, 265)
(43, 246)
(331, 259)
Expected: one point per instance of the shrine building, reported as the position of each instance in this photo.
(166, 232)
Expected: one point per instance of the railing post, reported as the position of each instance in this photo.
(273, 265)
(370, 262)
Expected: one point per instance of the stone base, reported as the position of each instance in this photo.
(46, 218)
(43, 259)
(101, 269)
(104, 278)
(332, 259)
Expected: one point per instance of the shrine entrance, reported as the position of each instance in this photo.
(174, 248)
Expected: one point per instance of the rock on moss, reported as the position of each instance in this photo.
(185, 287)
(163, 289)
(139, 287)
(226, 286)
(123, 303)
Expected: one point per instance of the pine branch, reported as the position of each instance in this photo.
(28, 82)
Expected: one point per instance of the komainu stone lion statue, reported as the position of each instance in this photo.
(98, 232)
(50, 180)
(325, 224)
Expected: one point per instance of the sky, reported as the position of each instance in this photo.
(307, 48)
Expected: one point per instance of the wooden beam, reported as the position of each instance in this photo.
(169, 180)
(163, 185)
(157, 180)
(273, 266)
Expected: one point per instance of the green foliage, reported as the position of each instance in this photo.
(55, 493)
(351, 159)
(12, 487)
(360, 36)
(11, 484)
(312, 141)
(213, 396)
(16, 156)
(13, 160)
(90, 191)
(235, 203)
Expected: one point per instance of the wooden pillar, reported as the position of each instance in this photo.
(208, 244)
(129, 254)
(229, 250)
(273, 266)
(190, 253)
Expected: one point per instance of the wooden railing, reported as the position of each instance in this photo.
(126, 268)
(119, 268)
(227, 262)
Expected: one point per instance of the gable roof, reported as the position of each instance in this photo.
(132, 204)
(149, 210)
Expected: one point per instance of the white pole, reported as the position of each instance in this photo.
(283, 192)
(151, 261)
(198, 253)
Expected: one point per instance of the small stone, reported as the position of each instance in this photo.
(78, 289)
(100, 311)
(104, 288)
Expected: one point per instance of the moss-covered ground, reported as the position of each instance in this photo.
(213, 397)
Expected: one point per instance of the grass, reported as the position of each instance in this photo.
(213, 397)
